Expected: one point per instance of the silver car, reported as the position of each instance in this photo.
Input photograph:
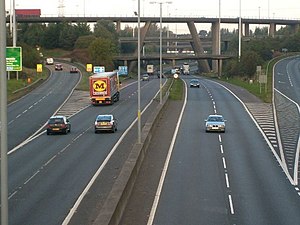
(106, 122)
(215, 123)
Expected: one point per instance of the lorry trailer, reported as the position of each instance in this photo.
(104, 88)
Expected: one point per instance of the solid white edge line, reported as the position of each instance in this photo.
(296, 164)
(163, 175)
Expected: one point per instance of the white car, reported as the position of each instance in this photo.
(215, 123)
(49, 61)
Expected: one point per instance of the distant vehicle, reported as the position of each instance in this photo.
(177, 70)
(186, 69)
(104, 88)
(73, 69)
(215, 123)
(49, 61)
(106, 122)
(150, 69)
(195, 83)
(146, 77)
(28, 12)
(58, 124)
(58, 66)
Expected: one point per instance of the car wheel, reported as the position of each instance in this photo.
(48, 132)
(96, 131)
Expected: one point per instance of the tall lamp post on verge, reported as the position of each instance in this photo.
(139, 73)
(240, 31)
(3, 117)
(160, 48)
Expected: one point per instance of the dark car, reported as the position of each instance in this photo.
(58, 66)
(195, 83)
(73, 69)
(58, 124)
(106, 122)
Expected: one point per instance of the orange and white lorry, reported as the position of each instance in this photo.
(104, 88)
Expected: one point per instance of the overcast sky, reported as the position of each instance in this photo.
(285, 9)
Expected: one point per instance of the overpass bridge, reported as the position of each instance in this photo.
(196, 43)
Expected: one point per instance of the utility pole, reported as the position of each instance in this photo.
(3, 117)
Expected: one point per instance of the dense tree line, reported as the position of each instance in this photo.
(100, 45)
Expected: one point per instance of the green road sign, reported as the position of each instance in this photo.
(13, 59)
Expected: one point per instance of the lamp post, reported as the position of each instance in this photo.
(3, 117)
(240, 31)
(139, 74)
(160, 47)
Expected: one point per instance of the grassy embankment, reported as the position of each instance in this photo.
(262, 91)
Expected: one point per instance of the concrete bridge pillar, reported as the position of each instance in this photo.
(272, 29)
(118, 26)
(247, 29)
(144, 31)
(173, 63)
(198, 48)
(215, 45)
(295, 28)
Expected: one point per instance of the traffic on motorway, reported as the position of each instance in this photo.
(237, 177)
(47, 170)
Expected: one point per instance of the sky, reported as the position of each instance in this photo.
(287, 9)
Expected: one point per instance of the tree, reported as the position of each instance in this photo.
(31, 33)
(50, 38)
(101, 52)
(67, 36)
(106, 29)
(83, 42)
(30, 56)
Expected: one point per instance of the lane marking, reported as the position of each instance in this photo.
(231, 204)
(221, 148)
(224, 162)
(227, 180)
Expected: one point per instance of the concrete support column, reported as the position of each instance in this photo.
(144, 31)
(247, 29)
(118, 26)
(272, 29)
(197, 47)
(295, 28)
(215, 44)
(220, 63)
(173, 63)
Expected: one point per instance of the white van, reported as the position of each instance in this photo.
(49, 61)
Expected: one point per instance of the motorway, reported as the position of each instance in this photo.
(234, 178)
(237, 177)
(48, 173)
(30, 113)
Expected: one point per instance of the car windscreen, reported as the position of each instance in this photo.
(56, 121)
(104, 118)
(215, 119)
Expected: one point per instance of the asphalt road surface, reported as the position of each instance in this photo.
(213, 178)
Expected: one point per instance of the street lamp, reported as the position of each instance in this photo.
(240, 31)
(139, 73)
(3, 118)
(160, 48)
